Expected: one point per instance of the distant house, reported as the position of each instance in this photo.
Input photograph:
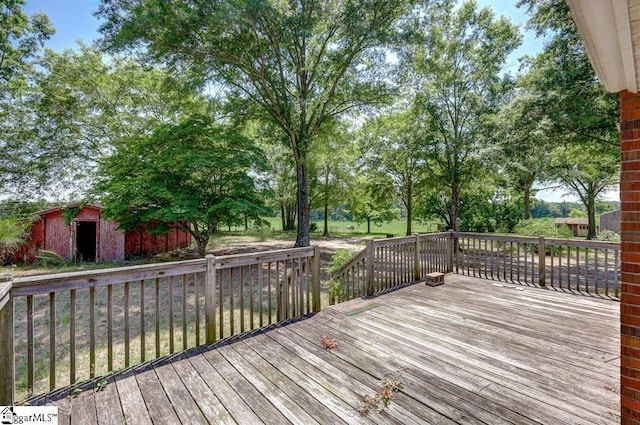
(579, 226)
(79, 232)
(611, 221)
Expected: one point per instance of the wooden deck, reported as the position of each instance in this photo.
(469, 351)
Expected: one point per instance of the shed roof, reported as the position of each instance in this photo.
(571, 220)
(74, 205)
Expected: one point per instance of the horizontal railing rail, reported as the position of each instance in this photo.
(589, 267)
(70, 327)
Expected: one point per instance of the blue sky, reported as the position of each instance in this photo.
(73, 20)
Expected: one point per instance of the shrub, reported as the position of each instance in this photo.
(313, 227)
(263, 231)
(542, 227)
(608, 236)
(14, 233)
(340, 258)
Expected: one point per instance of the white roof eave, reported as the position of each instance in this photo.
(605, 28)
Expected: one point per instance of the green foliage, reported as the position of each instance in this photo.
(69, 213)
(576, 213)
(195, 174)
(48, 258)
(14, 233)
(295, 65)
(262, 231)
(608, 236)
(457, 71)
(334, 286)
(542, 227)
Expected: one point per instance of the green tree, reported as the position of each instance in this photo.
(393, 147)
(581, 114)
(457, 74)
(371, 198)
(299, 62)
(521, 148)
(195, 174)
(588, 171)
(21, 42)
(332, 158)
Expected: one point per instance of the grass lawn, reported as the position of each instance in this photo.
(395, 227)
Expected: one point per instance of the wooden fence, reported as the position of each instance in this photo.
(70, 327)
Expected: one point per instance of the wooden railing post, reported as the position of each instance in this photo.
(315, 280)
(416, 259)
(542, 260)
(210, 299)
(450, 252)
(7, 363)
(370, 266)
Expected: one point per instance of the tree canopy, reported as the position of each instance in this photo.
(298, 62)
(195, 174)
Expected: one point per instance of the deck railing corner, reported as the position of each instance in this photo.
(7, 364)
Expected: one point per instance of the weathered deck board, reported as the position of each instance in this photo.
(469, 352)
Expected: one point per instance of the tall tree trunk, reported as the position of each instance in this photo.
(282, 217)
(591, 214)
(368, 225)
(302, 236)
(202, 242)
(455, 205)
(409, 208)
(527, 201)
(326, 218)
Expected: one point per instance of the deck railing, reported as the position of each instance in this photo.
(386, 264)
(587, 267)
(70, 327)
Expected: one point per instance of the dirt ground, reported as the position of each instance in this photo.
(227, 245)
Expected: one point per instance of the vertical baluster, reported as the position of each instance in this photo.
(232, 309)
(196, 294)
(242, 301)
(510, 261)
(220, 282)
(569, 268)
(578, 268)
(157, 315)
(527, 247)
(72, 336)
(30, 346)
(52, 340)
(142, 329)
(261, 289)
(487, 258)
(277, 289)
(597, 267)
(606, 272)
(251, 321)
(126, 325)
(518, 254)
(586, 270)
(92, 332)
(504, 260)
(560, 251)
(552, 250)
(307, 268)
(184, 312)
(110, 328)
(617, 272)
(269, 305)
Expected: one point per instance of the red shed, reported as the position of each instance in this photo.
(87, 236)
